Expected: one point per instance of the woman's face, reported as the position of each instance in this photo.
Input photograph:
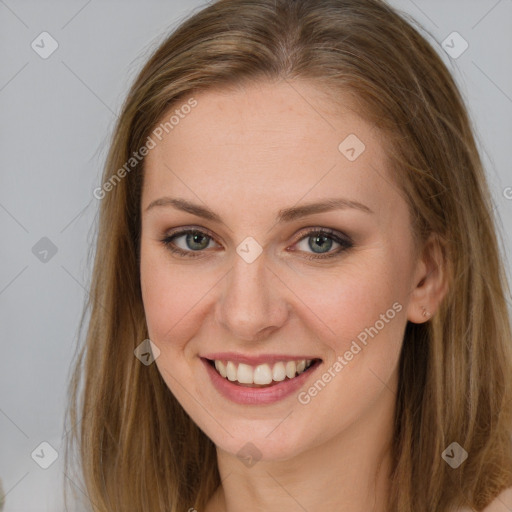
(268, 280)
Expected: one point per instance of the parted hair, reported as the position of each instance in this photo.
(136, 448)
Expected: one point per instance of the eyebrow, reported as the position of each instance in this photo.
(284, 215)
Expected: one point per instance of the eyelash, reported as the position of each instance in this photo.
(345, 243)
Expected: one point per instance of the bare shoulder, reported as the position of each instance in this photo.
(502, 503)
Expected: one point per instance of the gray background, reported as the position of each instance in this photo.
(56, 118)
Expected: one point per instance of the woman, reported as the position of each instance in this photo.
(294, 212)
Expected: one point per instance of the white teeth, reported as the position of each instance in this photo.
(262, 374)
(278, 372)
(231, 371)
(291, 369)
(221, 368)
(244, 374)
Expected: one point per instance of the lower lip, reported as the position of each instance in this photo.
(255, 396)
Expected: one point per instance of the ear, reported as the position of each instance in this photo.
(431, 281)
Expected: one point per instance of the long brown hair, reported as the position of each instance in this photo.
(137, 448)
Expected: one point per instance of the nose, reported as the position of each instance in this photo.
(253, 302)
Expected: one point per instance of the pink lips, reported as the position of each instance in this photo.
(256, 396)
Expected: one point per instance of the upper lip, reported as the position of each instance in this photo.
(255, 360)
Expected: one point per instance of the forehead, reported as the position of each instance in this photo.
(276, 142)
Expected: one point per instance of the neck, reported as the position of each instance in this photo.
(349, 473)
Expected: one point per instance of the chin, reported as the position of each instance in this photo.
(263, 444)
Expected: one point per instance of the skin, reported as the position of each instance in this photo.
(247, 153)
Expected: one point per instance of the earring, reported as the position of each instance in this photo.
(426, 312)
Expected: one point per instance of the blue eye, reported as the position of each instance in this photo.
(320, 241)
(194, 241)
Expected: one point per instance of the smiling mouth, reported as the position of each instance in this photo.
(263, 375)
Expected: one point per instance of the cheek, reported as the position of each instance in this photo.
(345, 301)
(171, 297)
(162, 293)
(174, 298)
(363, 318)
